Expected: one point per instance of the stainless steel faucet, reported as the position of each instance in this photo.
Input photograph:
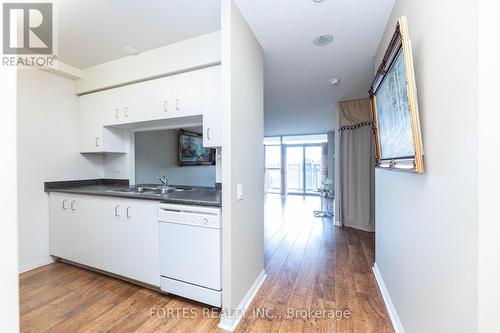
(163, 180)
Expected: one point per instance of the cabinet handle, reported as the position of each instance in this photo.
(165, 106)
(73, 202)
(177, 106)
(64, 204)
(208, 133)
(128, 212)
(125, 112)
(117, 213)
(97, 143)
(117, 113)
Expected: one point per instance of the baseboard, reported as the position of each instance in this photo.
(229, 322)
(36, 264)
(393, 314)
(337, 223)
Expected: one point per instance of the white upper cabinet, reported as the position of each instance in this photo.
(95, 111)
(188, 90)
(212, 107)
(174, 96)
(132, 103)
(159, 98)
(192, 93)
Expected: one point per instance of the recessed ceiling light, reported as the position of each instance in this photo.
(323, 40)
(318, 1)
(334, 81)
(131, 50)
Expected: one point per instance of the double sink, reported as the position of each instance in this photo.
(150, 190)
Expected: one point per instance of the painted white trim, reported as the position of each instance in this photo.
(337, 223)
(194, 53)
(229, 322)
(36, 264)
(65, 70)
(391, 309)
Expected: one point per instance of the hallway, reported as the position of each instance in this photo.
(313, 265)
(310, 265)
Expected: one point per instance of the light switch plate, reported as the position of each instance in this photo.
(239, 190)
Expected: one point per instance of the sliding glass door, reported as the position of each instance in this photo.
(301, 163)
(303, 168)
(295, 169)
(313, 165)
(273, 169)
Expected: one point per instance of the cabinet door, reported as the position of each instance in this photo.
(159, 100)
(91, 122)
(133, 99)
(85, 215)
(111, 106)
(140, 242)
(188, 94)
(96, 111)
(108, 235)
(212, 107)
(60, 221)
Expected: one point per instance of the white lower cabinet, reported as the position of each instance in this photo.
(62, 220)
(116, 235)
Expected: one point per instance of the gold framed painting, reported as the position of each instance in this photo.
(397, 134)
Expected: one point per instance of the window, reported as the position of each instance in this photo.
(303, 160)
(273, 169)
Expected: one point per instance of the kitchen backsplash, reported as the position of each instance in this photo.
(156, 155)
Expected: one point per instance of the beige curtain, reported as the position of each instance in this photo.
(356, 165)
(355, 112)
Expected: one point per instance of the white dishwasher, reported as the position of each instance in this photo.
(190, 252)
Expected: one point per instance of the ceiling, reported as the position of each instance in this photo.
(298, 97)
(92, 32)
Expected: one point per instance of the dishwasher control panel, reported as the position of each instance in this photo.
(208, 217)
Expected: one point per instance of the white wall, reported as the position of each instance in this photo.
(156, 155)
(243, 156)
(306, 122)
(189, 54)
(426, 229)
(9, 282)
(489, 177)
(48, 149)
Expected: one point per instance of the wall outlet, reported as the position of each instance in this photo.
(239, 190)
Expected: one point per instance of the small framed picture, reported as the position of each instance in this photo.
(191, 150)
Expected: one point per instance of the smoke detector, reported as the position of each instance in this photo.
(323, 40)
(131, 50)
(335, 81)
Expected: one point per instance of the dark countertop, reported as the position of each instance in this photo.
(191, 195)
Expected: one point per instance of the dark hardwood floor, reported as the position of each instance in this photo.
(319, 279)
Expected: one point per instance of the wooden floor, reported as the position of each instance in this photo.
(319, 280)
